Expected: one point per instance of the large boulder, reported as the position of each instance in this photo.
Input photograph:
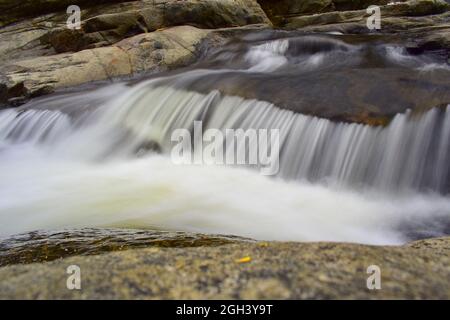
(110, 26)
(370, 95)
(234, 11)
(110, 23)
(40, 53)
(148, 52)
(230, 268)
(159, 50)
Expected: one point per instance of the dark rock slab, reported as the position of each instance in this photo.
(44, 246)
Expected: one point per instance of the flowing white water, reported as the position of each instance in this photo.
(268, 56)
(411, 153)
(400, 56)
(85, 159)
(71, 170)
(43, 193)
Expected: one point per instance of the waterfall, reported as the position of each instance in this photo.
(101, 157)
(411, 153)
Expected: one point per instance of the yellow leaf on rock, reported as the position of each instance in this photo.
(244, 260)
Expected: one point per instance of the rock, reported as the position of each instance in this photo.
(417, 8)
(157, 51)
(45, 246)
(123, 39)
(371, 94)
(225, 12)
(406, 9)
(277, 270)
(431, 38)
(425, 33)
(64, 70)
(344, 5)
(13, 11)
(104, 48)
(108, 24)
(277, 10)
(111, 26)
(438, 245)
(421, 23)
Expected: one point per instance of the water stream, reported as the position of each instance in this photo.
(101, 157)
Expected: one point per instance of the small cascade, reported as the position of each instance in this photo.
(101, 157)
(411, 153)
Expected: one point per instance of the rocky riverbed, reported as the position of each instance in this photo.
(121, 39)
(369, 77)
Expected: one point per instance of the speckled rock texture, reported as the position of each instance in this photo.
(242, 270)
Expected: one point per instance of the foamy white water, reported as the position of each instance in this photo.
(41, 193)
(411, 153)
(86, 160)
(268, 56)
(59, 171)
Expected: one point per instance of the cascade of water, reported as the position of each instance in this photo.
(412, 152)
(78, 159)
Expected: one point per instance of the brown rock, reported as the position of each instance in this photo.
(278, 270)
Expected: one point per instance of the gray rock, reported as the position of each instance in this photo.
(240, 12)
(410, 8)
(242, 270)
(41, 54)
(156, 51)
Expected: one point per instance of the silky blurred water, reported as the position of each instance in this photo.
(100, 158)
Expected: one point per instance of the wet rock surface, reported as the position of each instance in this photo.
(45, 246)
(124, 39)
(278, 10)
(223, 12)
(40, 53)
(351, 78)
(230, 268)
(106, 24)
(150, 52)
(402, 10)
